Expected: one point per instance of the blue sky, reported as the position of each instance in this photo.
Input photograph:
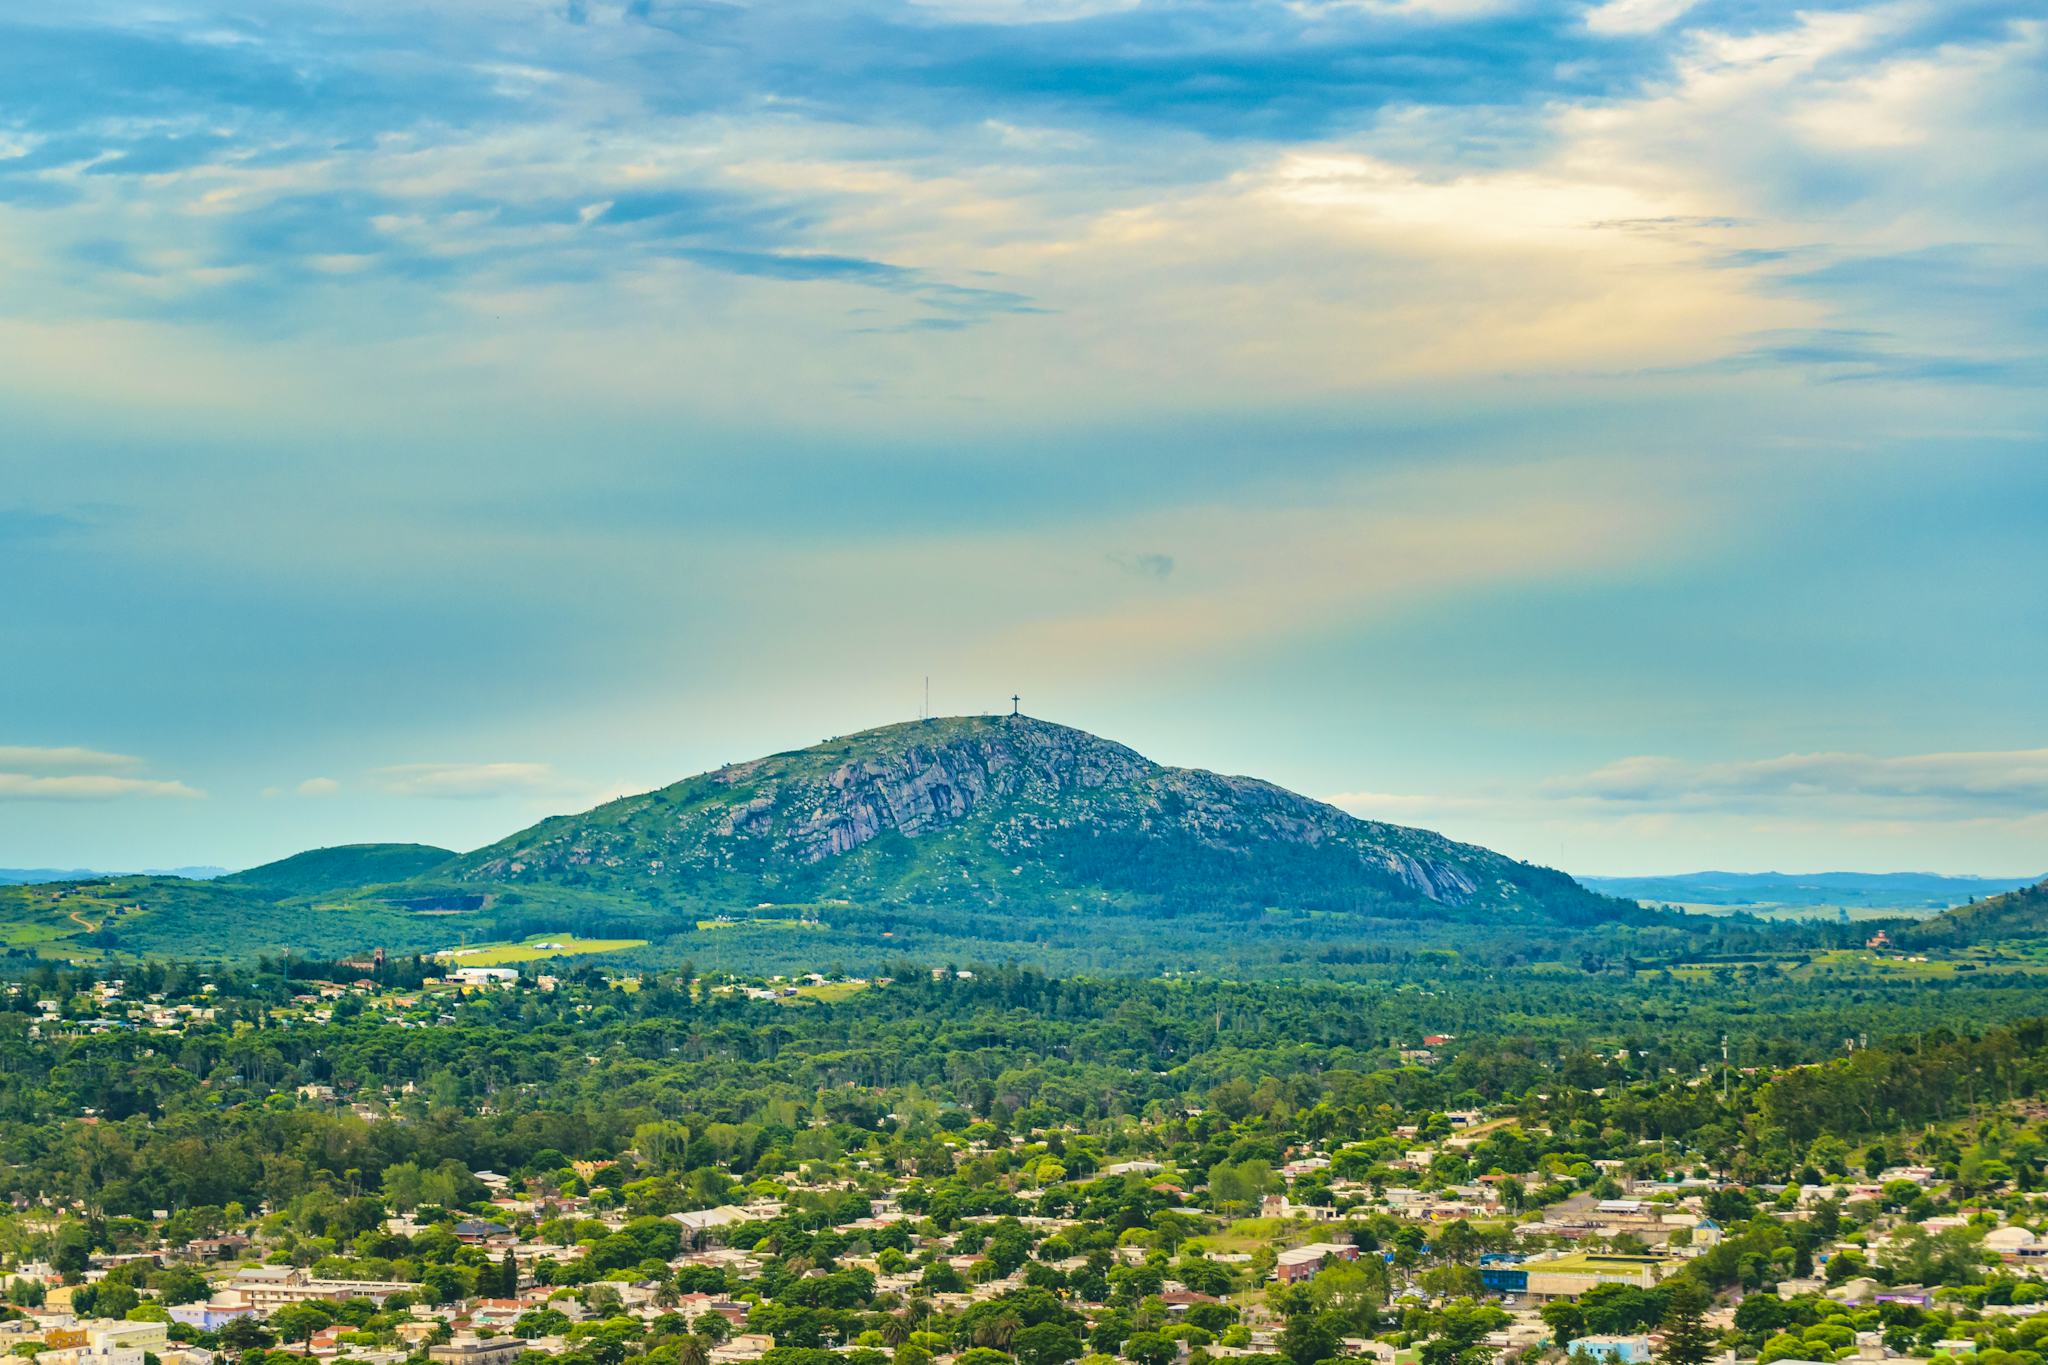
(1611, 432)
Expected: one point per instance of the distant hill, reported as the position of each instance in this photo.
(979, 838)
(20, 876)
(2021, 914)
(1880, 890)
(184, 918)
(347, 865)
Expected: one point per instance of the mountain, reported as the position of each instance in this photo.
(333, 869)
(1000, 811)
(970, 838)
(1880, 890)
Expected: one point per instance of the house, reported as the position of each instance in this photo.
(270, 1287)
(471, 978)
(703, 1220)
(742, 1346)
(143, 1336)
(1615, 1350)
(1304, 1262)
(2016, 1246)
(214, 1314)
(91, 1355)
(467, 1348)
(477, 1232)
(223, 1248)
(1279, 1206)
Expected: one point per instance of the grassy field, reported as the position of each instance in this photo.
(831, 991)
(1856, 961)
(535, 948)
(1768, 911)
(1246, 1234)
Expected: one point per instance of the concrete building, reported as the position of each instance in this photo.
(1561, 1277)
(214, 1314)
(267, 1288)
(467, 1348)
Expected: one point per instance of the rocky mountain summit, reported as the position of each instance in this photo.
(991, 809)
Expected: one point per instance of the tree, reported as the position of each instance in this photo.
(1566, 1320)
(1461, 1340)
(1239, 1185)
(1686, 1338)
(1352, 1290)
(298, 1322)
(402, 1186)
(1310, 1337)
(245, 1334)
(1783, 1346)
(1046, 1343)
(1151, 1348)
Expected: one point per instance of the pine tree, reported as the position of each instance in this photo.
(1687, 1340)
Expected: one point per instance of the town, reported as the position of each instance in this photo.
(883, 1226)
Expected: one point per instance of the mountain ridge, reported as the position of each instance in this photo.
(988, 837)
(1025, 787)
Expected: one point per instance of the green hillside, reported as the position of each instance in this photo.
(973, 838)
(197, 920)
(332, 869)
(1009, 812)
(2017, 915)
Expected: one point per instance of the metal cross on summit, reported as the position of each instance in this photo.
(1014, 699)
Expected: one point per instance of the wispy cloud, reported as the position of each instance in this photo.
(73, 773)
(1654, 813)
(87, 787)
(67, 758)
(467, 781)
(2009, 781)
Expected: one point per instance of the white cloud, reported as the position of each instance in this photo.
(319, 786)
(25, 759)
(2011, 780)
(1635, 16)
(86, 787)
(1983, 812)
(467, 781)
(71, 773)
(1021, 11)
